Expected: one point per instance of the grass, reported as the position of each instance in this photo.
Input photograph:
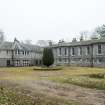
(21, 97)
(100, 75)
(81, 76)
(82, 81)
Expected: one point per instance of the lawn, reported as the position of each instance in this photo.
(49, 87)
(73, 75)
(82, 76)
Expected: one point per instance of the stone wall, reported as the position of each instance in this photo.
(84, 59)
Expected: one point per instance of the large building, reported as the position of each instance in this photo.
(20, 54)
(76, 53)
(80, 53)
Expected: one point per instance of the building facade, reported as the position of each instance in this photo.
(80, 53)
(77, 53)
(19, 54)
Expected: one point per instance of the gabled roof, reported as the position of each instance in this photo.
(19, 46)
(31, 47)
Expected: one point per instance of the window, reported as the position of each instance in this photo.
(7, 51)
(36, 62)
(88, 50)
(8, 62)
(15, 52)
(99, 49)
(25, 63)
(80, 50)
(65, 51)
(23, 52)
(60, 60)
(87, 60)
(59, 51)
(100, 60)
(18, 52)
(95, 60)
(40, 62)
(73, 51)
(27, 52)
(17, 63)
(65, 60)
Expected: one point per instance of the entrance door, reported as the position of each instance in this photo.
(36, 62)
(8, 63)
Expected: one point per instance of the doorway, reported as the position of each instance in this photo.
(8, 63)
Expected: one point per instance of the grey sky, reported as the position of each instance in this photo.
(49, 19)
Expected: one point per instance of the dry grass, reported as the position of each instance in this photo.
(21, 96)
(26, 76)
(27, 73)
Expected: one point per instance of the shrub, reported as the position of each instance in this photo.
(100, 75)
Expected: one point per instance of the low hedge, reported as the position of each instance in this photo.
(100, 75)
(47, 68)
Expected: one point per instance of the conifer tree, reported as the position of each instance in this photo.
(48, 58)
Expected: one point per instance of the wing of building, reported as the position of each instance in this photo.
(80, 53)
(20, 54)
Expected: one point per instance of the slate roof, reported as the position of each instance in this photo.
(32, 47)
(6, 45)
(10, 46)
(80, 43)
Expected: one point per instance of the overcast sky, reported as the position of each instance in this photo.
(49, 19)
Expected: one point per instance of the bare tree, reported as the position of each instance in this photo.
(94, 35)
(43, 42)
(28, 41)
(1, 36)
(84, 34)
(81, 38)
